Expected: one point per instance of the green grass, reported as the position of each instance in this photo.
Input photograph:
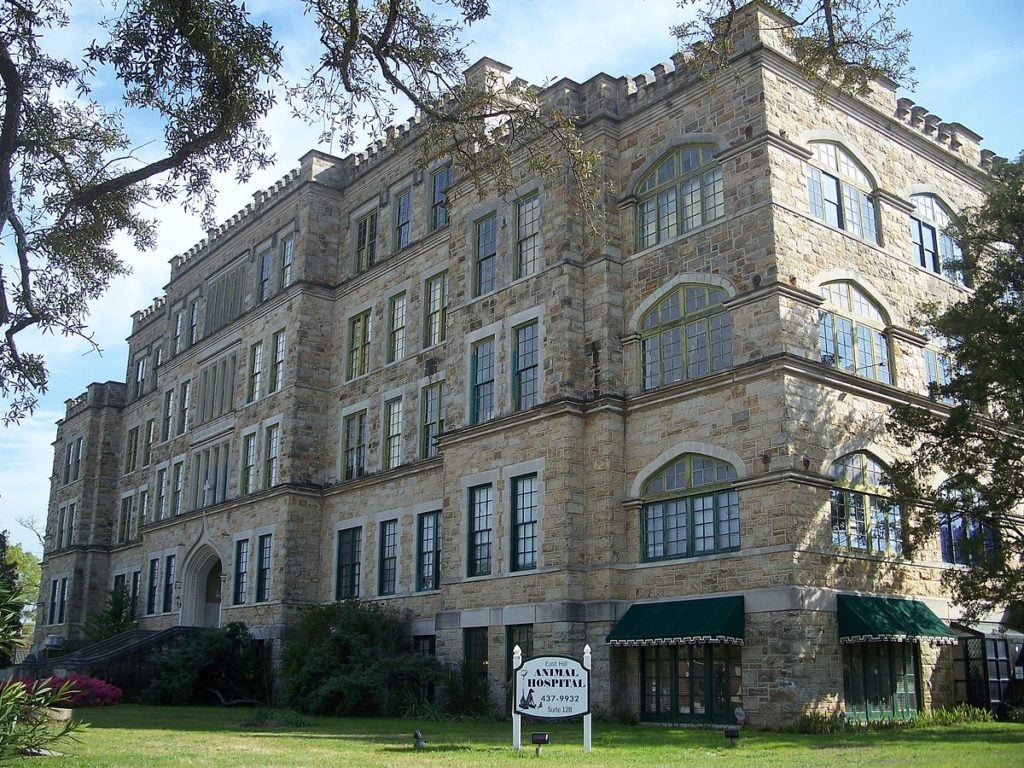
(137, 736)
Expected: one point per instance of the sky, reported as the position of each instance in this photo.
(968, 59)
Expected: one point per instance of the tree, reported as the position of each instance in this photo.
(977, 445)
(9, 586)
(845, 44)
(28, 573)
(117, 616)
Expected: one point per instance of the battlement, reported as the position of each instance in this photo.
(107, 394)
(955, 137)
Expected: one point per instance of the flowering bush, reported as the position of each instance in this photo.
(82, 691)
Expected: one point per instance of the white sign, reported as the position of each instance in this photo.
(552, 687)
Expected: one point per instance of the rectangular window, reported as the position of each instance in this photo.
(350, 542)
(193, 322)
(264, 552)
(143, 515)
(366, 241)
(134, 593)
(124, 521)
(210, 475)
(521, 635)
(480, 521)
(152, 586)
(61, 522)
(436, 303)
(277, 363)
(139, 385)
(168, 602)
(177, 487)
(388, 566)
(131, 450)
(355, 445)
(241, 572)
(147, 445)
(247, 478)
(938, 372)
(485, 256)
(432, 399)
(524, 366)
(62, 600)
(216, 389)
(440, 181)
(224, 297)
(178, 342)
(252, 388)
(524, 522)
(263, 262)
(167, 416)
(161, 494)
(403, 219)
(359, 345)
(474, 649)
(428, 551)
(528, 243)
(287, 258)
(693, 525)
(51, 615)
(73, 461)
(392, 433)
(482, 381)
(271, 456)
(880, 681)
(396, 328)
(184, 393)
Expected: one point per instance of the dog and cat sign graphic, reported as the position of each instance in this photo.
(552, 687)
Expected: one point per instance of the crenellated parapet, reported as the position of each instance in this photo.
(108, 394)
(142, 317)
(953, 136)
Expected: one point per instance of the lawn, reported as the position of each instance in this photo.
(137, 736)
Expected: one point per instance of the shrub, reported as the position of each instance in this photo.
(88, 691)
(268, 717)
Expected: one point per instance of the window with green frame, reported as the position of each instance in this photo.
(881, 681)
(862, 517)
(684, 191)
(698, 683)
(688, 334)
(851, 333)
(690, 508)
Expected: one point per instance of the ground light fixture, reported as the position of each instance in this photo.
(539, 739)
(732, 732)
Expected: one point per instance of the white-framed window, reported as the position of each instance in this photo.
(935, 250)
(210, 474)
(272, 455)
(167, 416)
(354, 445)
(184, 402)
(684, 190)
(277, 362)
(255, 378)
(840, 191)
(480, 529)
(240, 591)
(938, 371)
(393, 433)
(131, 450)
(247, 477)
(432, 418)
(403, 219)
(525, 365)
(264, 564)
(428, 551)
(177, 487)
(287, 259)
(216, 395)
(525, 522)
(851, 332)
(396, 327)
(387, 562)
(435, 309)
(124, 520)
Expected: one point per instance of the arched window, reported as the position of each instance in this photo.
(688, 334)
(683, 192)
(840, 191)
(690, 508)
(851, 333)
(862, 518)
(935, 250)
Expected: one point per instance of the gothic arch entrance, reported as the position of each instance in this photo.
(201, 588)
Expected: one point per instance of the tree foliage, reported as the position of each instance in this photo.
(117, 616)
(977, 444)
(842, 44)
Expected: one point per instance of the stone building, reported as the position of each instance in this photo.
(663, 438)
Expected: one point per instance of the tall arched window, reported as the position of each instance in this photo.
(681, 193)
(862, 517)
(688, 334)
(935, 250)
(839, 190)
(690, 508)
(851, 333)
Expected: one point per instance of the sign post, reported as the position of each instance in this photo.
(550, 688)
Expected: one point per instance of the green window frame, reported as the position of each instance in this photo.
(852, 333)
(366, 241)
(350, 543)
(482, 373)
(684, 190)
(525, 519)
(881, 681)
(862, 518)
(359, 345)
(525, 365)
(481, 520)
(432, 414)
(428, 551)
(387, 571)
(528, 235)
(687, 335)
(693, 683)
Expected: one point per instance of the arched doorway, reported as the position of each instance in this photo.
(201, 588)
(213, 584)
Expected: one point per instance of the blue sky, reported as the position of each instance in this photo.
(968, 57)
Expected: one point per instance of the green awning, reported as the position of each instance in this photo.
(873, 619)
(709, 620)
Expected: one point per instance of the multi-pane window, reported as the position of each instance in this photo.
(167, 415)
(683, 192)
(178, 343)
(863, 519)
(366, 241)
(287, 259)
(277, 362)
(72, 460)
(354, 446)
(481, 406)
(134, 594)
(474, 650)
(935, 250)
(690, 508)
(161, 494)
(403, 219)
(440, 180)
(964, 541)
(432, 399)
(216, 389)
(255, 378)
(436, 320)
(688, 334)
(271, 456)
(58, 601)
(143, 506)
(147, 443)
(485, 255)
(521, 635)
(691, 683)
(396, 328)
(210, 474)
(392, 433)
(880, 681)
(241, 572)
(193, 322)
(428, 551)
(481, 512)
(851, 333)
(247, 477)
(938, 368)
(359, 345)
(528, 237)
(131, 450)
(139, 384)
(838, 190)
(264, 553)
(350, 543)
(124, 521)
(184, 401)
(153, 585)
(524, 366)
(524, 522)
(387, 571)
(263, 262)
(168, 597)
(177, 487)
(224, 298)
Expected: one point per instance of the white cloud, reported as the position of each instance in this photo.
(25, 474)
